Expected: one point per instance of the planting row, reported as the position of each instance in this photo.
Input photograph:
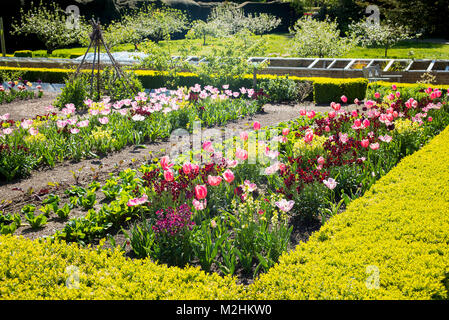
(48, 139)
(232, 206)
(18, 90)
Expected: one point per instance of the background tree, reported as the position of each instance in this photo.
(201, 29)
(261, 23)
(384, 35)
(313, 38)
(49, 24)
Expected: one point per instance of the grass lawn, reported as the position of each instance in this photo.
(279, 45)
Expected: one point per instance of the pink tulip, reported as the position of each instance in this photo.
(207, 146)
(394, 87)
(199, 205)
(214, 180)
(302, 112)
(228, 175)
(201, 191)
(354, 113)
(83, 124)
(336, 106)
(248, 186)
(74, 130)
(285, 131)
(374, 146)
(311, 114)
(137, 201)
(244, 135)
(256, 125)
(7, 131)
(430, 119)
(241, 154)
(365, 143)
(344, 99)
(165, 163)
(272, 169)
(327, 129)
(34, 131)
(398, 94)
(343, 137)
(187, 168)
(285, 205)
(377, 95)
(103, 120)
(331, 114)
(320, 160)
(386, 138)
(330, 183)
(168, 175)
(366, 123)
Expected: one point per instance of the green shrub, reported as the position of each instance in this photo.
(75, 91)
(280, 89)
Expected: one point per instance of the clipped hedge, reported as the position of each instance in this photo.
(399, 230)
(41, 270)
(325, 90)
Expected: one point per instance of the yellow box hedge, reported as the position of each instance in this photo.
(390, 244)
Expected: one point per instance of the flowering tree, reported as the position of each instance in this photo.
(202, 29)
(149, 22)
(383, 35)
(262, 23)
(49, 24)
(228, 19)
(319, 38)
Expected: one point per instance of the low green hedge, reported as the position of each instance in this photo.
(326, 90)
(390, 244)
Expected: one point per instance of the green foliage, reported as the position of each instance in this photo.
(328, 90)
(228, 64)
(76, 90)
(282, 89)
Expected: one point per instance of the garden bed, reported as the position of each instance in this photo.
(360, 237)
(132, 208)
